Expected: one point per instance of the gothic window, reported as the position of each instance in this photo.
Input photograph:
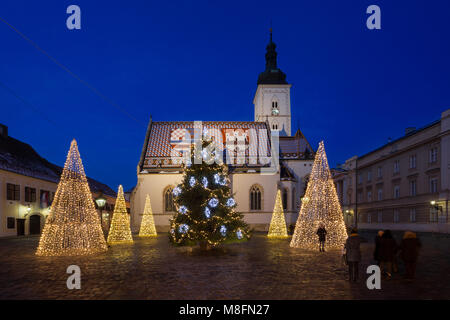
(275, 110)
(285, 198)
(294, 205)
(169, 205)
(274, 126)
(255, 198)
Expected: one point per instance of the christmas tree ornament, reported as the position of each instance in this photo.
(73, 225)
(320, 205)
(213, 202)
(207, 212)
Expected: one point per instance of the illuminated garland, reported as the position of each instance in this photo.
(120, 231)
(277, 228)
(73, 225)
(148, 228)
(320, 205)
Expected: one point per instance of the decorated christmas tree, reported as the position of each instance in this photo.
(73, 225)
(148, 223)
(277, 228)
(120, 231)
(320, 205)
(206, 212)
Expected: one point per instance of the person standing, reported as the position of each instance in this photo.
(322, 232)
(376, 253)
(388, 249)
(353, 253)
(409, 251)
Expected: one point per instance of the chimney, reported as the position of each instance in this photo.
(409, 130)
(3, 131)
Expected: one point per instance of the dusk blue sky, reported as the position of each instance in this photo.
(199, 60)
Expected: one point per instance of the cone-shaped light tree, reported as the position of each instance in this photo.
(73, 225)
(320, 205)
(277, 228)
(206, 211)
(148, 223)
(120, 231)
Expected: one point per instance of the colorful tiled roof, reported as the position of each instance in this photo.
(295, 147)
(168, 138)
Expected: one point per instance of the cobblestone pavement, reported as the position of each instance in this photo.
(258, 269)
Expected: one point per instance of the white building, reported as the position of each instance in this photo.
(254, 191)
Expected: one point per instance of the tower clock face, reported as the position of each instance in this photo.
(275, 112)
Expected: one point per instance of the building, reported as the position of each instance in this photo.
(403, 185)
(255, 190)
(28, 184)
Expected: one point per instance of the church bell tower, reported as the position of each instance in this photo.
(272, 99)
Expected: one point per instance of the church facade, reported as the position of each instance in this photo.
(271, 159)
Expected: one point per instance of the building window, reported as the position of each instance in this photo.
(433, 214)
(359, 178)
(294, 197)
(30, 194)
(412, 187)
(255, 198)
(169, 205)
(360, 196)
(45, 199)
(396, 192)
(380, 172)
(369, 196)
(433, 185)
(274, 126)
(285, 198)
(433, 155)
(396, 215)
(274, 105)
(396, 166)
(369, 176)
(369, 217)
(412, 215)
(380, 194)
(12, 191)
(412, 161)
(380, 216)
(10, 222)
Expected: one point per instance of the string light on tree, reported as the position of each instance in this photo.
(277, 228)
(211, 208)
(73, 226)
(320, 205)
(120, 231)
(148, 228)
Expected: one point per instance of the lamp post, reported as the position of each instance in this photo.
(100, 201)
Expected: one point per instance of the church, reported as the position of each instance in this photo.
(253, 183)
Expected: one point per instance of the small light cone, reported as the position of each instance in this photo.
(120, 231)
(148, 223)
(277, 228)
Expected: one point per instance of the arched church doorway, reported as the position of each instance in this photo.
(35, 224)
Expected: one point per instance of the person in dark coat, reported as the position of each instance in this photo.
(388, 250)
(322, 232)
(353, 253)
(376, 253)
(409, 251)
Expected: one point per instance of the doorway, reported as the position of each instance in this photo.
(20, 227)
(35, 224)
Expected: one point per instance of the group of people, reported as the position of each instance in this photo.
(385, 254)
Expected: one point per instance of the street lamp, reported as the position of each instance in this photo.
(100, 201)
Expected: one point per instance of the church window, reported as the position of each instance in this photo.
(294, 204)
(169, 205)
(285, 199)
(255, 198)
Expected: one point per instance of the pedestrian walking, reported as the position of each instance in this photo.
(353, 254)
(388, 250)
(322, 232)
(409, 252)
(376, 252)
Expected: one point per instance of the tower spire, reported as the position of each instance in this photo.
(272, 74)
